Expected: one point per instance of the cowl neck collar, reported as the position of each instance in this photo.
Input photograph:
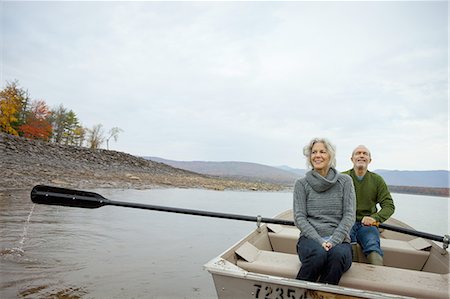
(320, 183)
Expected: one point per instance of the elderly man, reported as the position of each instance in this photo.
(370, 190)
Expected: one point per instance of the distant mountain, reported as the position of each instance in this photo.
(237, 170)
(430, 178)
(287, 175)
(297, 171)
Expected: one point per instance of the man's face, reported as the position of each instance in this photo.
(361, 157)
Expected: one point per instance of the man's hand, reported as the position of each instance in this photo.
(327, 245)
(367, 220)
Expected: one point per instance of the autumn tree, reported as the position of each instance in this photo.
(95, 136)
(113, 133)
(37, 125)
(13, 107)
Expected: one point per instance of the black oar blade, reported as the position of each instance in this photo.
(49, 195)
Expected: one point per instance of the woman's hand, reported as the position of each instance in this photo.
(327, 245)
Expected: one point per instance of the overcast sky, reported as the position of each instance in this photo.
(242, 81)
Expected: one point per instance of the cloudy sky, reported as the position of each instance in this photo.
(242, 81)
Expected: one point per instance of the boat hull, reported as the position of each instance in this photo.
(231, 282)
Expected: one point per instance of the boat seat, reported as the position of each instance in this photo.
(263, 261)
(401, 254)
(383, 279)
(283, 238)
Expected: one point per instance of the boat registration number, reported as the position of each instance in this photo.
(263, 291)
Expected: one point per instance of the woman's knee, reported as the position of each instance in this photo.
(315, 260)
(309, 251)
(307, 246)
(341, 253)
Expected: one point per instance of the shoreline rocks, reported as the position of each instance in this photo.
(25, 163)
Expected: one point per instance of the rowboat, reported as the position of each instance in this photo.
(264, 264)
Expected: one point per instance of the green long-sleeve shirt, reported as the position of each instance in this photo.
(370, 191)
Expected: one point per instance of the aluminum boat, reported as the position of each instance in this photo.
(264, 264)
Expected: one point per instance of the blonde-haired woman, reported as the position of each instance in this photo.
(324, 211)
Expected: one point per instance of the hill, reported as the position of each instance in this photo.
(26, 162)
(236, 170)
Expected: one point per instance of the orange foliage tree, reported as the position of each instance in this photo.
(37, 125)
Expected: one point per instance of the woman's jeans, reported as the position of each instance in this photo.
(367, 236)
(322, 265)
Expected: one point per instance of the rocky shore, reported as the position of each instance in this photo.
(26, 162)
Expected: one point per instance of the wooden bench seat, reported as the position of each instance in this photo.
(384, 279)
(401, 254)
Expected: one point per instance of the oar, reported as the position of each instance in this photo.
(83, 199)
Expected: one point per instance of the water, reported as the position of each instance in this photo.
(424, 213)
(113, 252)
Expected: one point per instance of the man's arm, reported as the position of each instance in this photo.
(385, 200)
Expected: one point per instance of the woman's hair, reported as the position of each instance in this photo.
(328, 145)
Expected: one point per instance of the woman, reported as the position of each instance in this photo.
(324, 211)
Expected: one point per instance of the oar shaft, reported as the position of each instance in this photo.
(255, 219)
(198, 212)
(412, 232)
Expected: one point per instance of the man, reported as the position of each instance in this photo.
(370, 190)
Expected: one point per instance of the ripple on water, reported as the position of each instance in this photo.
(53, 291)
(16, 251)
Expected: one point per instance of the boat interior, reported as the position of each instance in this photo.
(413, 267)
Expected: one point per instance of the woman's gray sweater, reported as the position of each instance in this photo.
(325, 206)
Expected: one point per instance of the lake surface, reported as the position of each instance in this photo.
(114, 252)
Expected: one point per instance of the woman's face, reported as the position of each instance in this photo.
(320, 158)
